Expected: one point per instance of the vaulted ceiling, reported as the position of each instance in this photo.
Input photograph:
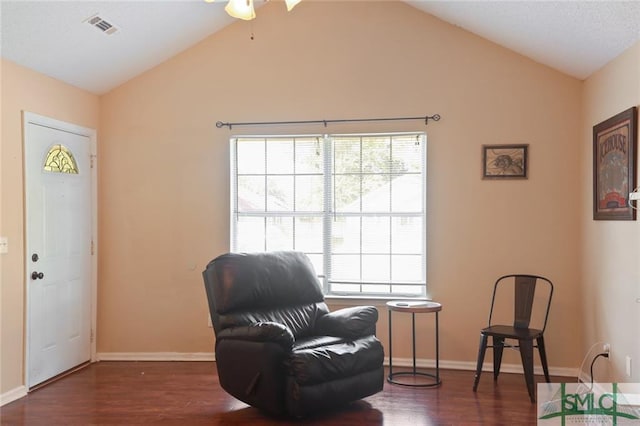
(60, 38)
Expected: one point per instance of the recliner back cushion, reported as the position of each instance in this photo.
(264, 280)
(248, 287)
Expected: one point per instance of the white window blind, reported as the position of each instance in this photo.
(355, 204)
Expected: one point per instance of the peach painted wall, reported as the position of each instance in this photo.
(164, 172)
(25, 90)
(610, 249)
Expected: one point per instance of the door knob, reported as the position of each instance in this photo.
(37, 275)
(35, 257)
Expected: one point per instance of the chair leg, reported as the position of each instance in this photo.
(498, 346)
(481, 351)
(543, 358)
(526, 353)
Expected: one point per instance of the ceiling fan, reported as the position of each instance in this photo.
(243, 9)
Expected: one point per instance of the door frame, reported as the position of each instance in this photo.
(41, 120)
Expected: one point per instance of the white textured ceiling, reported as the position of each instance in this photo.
(52, 37)
(575, 37)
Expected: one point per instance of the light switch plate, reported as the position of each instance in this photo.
(4, 245)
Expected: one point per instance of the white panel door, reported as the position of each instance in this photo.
(58, 250)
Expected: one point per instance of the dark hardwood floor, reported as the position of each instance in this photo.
(188, 393)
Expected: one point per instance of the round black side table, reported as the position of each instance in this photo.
(414, 307)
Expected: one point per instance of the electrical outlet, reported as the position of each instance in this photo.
(606, 348)
(628, 365)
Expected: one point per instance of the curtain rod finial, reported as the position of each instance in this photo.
(434, 117)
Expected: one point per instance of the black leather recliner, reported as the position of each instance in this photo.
(278, 348)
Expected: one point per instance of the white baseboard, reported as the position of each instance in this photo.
(398, 362)
(471, 366)
(155, 356)
(12, 395)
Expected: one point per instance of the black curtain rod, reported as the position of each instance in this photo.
(435, 117)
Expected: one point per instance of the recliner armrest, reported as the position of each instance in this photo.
(259, 332)
(353, 322)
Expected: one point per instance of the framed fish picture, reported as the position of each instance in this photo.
(504, 161)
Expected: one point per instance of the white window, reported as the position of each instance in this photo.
(355, 204)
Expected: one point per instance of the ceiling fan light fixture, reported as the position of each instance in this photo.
(291, 4)
(241, 9)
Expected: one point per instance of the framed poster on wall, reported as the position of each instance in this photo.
(614, 167)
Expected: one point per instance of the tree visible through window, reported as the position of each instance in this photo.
(355, 204)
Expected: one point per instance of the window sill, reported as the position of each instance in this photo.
(366, 300)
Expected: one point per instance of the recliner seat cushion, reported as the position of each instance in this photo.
(316, 341)
(299, 319)
(336, 361)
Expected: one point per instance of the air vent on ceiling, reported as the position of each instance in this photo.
(102, 24)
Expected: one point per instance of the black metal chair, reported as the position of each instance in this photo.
(518, 300)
